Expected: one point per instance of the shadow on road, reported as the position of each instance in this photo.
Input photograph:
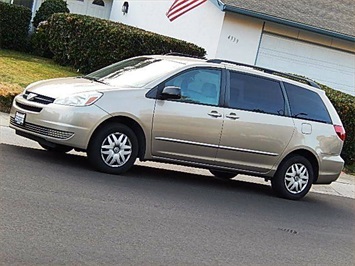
(138, 172)
(76, 166)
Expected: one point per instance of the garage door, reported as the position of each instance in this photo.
(95, 8)
(328, 66)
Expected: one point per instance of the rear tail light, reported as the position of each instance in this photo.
(340, 132)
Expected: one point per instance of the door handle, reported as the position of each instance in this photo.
(214, 114)
(232, 116)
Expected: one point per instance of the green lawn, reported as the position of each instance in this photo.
(17, 70)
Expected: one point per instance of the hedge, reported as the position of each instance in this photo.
(88, 43)
(39, 41)
(345, 106)
(14, 26)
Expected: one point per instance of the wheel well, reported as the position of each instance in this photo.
(136, 128)
(309, 156)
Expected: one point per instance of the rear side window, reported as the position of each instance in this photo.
(306, 104)
(257, 94)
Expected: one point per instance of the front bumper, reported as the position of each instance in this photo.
(60, 124)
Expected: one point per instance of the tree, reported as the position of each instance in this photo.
(48, 8)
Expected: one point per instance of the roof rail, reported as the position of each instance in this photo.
(184, 55)
(269, 71)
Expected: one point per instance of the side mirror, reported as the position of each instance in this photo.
(171, 92)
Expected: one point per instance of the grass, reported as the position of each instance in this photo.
(17, 70)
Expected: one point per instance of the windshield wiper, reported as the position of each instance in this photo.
(92, 78)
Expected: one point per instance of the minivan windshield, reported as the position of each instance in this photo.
(136, 72)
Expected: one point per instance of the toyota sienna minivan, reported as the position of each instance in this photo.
(224, 116)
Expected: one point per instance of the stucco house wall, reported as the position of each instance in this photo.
(201, 26)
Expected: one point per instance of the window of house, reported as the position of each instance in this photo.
(26, 3)
(98, 2)
(257, 94)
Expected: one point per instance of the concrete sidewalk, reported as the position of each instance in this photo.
(4, 119)
(344, 186)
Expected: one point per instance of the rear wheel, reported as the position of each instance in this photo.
(223, 175)
(294, 178)
(113, 149)
(56, 148)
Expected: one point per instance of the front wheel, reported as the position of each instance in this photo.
(113, 149)
(294, 178)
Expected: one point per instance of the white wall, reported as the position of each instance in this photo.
(239, 39)
(201, 25)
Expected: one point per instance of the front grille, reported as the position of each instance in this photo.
(29, 107)
(44, 131)
(38, 98)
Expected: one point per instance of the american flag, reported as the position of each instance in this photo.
(180, 7)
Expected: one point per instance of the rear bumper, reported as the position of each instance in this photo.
(330, 169)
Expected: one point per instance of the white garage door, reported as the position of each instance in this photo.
(95, 8)
(328, 66)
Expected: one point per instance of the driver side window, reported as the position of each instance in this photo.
(200, 86)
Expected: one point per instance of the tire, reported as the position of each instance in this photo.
(223, 175)
(293, 179)
(56, 148)
(113, 149)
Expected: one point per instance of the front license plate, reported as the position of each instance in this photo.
(20, 118)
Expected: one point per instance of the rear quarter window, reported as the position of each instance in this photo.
(306, 104)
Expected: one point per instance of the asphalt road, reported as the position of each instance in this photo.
(54, 209)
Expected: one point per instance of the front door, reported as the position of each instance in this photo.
(189, 129)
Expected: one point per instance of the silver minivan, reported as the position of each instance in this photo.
(224, 116)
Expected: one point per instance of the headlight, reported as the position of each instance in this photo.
(80, 99)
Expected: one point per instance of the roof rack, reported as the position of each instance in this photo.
(269, 71)
(184, 55)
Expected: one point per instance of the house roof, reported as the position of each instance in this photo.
(335, 18)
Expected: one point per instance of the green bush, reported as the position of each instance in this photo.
(39, 41)
(345, 106)
(14, 26)
(88, 43)
(48, 8)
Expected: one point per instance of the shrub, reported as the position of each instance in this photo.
(88, 43)
(39, 41)
(14, 26)
(345, 106)
(48, 8)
